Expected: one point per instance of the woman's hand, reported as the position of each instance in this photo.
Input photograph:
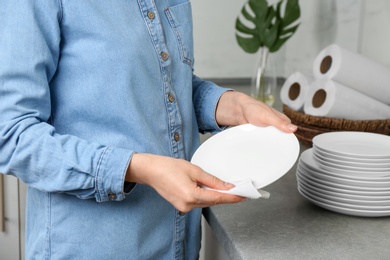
(179, 181)
(235, 108)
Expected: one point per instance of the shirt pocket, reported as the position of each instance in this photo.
(180, 19)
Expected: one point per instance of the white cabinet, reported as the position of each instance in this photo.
(12, 218)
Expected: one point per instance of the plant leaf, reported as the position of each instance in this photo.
(270, 28)
(259, 8)
(250, 45)
(289, 31)
(271, 35)
(292, 12)
(247, 15)
(264, 26)
(243, 28)
(283, 38)
(278, 44)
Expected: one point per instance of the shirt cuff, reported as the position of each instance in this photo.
(209, 103)
(111, 173)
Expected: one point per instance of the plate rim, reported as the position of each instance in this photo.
(351, 136)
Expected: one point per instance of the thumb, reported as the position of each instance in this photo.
(213, 182)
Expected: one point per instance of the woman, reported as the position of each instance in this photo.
(99, 114)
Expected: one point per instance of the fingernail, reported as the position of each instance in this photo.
(292, 127)
(228, 185)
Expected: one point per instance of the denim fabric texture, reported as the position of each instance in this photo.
(83, 86)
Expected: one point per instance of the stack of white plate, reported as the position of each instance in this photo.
(347, 172)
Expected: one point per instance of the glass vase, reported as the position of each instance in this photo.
(264, 82)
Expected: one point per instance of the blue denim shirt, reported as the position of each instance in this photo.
(84, 85)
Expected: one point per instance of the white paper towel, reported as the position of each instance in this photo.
(295, 89)
(355, 71)
(331, 99)
(243, 188)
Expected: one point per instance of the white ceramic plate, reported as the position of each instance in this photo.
(356, 144)
(352, 202)
(343, 166)
(263, 154)
(341, 161)
(359, 192)
(307, 158)
(345, 210)
(315, 178)
(355, 172)
(344, 195)
(340, 180)
(345, 205)
(325, 154)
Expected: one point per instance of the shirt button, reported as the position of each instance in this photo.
(171, 97)
(164, 56)
(112, 196)
(176, 136)
(151, 15)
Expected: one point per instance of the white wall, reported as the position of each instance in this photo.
(359, 25)
(376, 30)
(216, 49)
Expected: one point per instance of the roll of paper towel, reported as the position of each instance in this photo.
(331, 99)
(355, 71)
(295, 89)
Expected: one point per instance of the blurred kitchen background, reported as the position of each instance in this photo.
(361, 26)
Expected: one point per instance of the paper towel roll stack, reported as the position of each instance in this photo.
(355, 71)
(345, 85)
(295, 89)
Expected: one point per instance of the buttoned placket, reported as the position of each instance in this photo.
(180, 235)
(152, 19)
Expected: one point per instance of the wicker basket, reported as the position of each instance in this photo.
(310, 126)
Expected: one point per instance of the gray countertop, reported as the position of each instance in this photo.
(288, 226)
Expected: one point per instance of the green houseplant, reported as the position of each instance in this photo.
(264, 28)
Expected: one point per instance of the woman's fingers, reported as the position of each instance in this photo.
(279, 120)
(235, 108)
(179, 182)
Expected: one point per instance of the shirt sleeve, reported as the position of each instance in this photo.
(206, 95)
(30, 148)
